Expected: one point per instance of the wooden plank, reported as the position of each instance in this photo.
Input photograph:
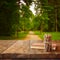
(41, 46)
(54, 46)
(37, 47)
(38, 44)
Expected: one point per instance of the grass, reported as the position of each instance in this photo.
(20, 36)
(6, 38)
(55, 35)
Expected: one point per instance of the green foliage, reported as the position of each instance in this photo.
(25, 18)
(47, 12)
(9, 16)
(55, 35)
(20, 36)
(41, 21)
(36, 22)
(28, 2)
(15, 17)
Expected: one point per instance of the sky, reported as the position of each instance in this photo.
(31, 7)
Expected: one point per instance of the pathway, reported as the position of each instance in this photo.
(23, 46)
(32, 36)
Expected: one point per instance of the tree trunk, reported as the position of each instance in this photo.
(56, 5)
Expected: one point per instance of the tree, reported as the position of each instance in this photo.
(9, 15)
(25, 18)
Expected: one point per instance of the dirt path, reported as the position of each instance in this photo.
(22, 46)
(32, 36)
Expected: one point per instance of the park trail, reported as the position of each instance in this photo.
(32, 36)
(22, 46)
